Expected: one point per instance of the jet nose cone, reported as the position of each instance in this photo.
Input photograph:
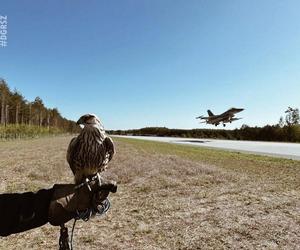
(236, 110)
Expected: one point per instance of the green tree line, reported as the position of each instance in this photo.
(18, 114)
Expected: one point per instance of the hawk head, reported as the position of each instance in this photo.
(90, 120)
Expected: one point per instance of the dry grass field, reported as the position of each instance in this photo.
(169, 197)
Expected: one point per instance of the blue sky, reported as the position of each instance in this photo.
(140, 63)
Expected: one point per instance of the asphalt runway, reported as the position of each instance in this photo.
(277, 149)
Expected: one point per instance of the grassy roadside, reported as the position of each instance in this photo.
(169, 197)
(236, 200)
(256, 164)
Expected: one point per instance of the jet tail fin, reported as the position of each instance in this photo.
(210, 113)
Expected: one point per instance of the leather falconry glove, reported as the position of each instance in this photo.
(69, 199)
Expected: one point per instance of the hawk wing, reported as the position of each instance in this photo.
(70, 154)
(110, 149)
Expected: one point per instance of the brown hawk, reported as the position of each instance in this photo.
(89, 152)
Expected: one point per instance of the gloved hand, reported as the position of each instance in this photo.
(68, 200)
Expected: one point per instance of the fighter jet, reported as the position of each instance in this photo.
(227, 116)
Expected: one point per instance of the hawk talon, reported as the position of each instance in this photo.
(99, 179)
(87, 184)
